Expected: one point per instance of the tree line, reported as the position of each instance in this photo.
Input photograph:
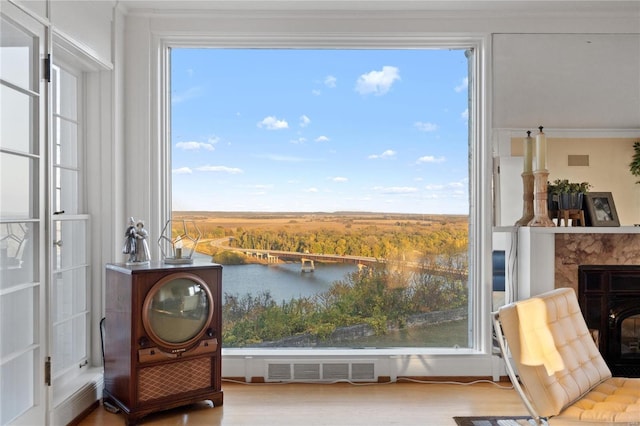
(369, 242)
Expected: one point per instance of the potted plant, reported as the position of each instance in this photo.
(634, 166)
(568, 195)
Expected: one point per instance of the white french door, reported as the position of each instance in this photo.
(23, 100)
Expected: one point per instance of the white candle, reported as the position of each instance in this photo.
(528, 153)
(178, 247)
(541, 151)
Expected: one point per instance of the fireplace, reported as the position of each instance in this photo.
(609, 297)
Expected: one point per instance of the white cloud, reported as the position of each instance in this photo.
(312, 190)
(463, 85)
(223, 169)
(451, 186)
(316, 92)
(387, 154)
(322, 139)
(430, 159)
(195, 146)
(185, 95)
(330, 81)
(283, 158)
(465, 114)
(304, 121)
(182, 171)
(434, 187)
(395, 189)
(299, 140)
(339, 179)
(377, 82)
(426, 126)
(272, 123)
(262, 186)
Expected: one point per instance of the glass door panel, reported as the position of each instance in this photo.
(65, 94)
(65, 194)
(23, 345)
(66, 151)
(18, 397)
(69, 294)
(70, 320)
(19, 47)
(18, 109)
(18, 186)
(18, 254)
(69, 244)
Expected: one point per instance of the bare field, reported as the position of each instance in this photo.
(316, 221)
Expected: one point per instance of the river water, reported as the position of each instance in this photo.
(284, 280)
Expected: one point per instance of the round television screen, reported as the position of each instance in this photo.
(177, 310)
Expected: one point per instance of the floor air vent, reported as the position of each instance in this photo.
(320, 371)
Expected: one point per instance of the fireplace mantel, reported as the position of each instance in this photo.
(548, 258)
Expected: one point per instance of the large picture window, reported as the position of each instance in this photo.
(333, 185)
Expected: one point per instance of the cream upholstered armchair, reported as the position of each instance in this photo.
(565, 379)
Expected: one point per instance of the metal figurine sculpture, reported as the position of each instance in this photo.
(142, 247)
(135, 244)
(130, 241)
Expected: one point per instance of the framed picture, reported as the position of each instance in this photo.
(601, 209)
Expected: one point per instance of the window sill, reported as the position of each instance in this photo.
(88, 381)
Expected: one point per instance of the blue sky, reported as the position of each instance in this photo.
(292, 130)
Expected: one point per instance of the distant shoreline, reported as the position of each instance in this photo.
(327, 214)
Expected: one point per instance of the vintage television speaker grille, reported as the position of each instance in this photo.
(171, 379)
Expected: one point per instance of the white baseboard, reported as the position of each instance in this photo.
(74, 400)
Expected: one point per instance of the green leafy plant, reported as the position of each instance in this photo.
(566, 195)
(563, 186)
(634, 166)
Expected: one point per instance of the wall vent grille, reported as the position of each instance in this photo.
(362, 371)
(279, 372)
(320, 371)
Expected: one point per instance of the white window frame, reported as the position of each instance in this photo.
(75, 368)
(391, 362)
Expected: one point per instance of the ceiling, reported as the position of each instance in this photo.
(605, 7)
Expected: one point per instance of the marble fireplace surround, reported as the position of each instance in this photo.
(574, 249)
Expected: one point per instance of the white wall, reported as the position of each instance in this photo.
(570, 81)
(86, 23)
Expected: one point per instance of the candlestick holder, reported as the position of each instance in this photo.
(527, 198)
(540, 206)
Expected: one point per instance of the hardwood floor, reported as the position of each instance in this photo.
(341, 404)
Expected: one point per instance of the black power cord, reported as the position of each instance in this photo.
(102, 337)
(106, 404)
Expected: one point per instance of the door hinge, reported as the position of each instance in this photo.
(47, 68)
(47, 371)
